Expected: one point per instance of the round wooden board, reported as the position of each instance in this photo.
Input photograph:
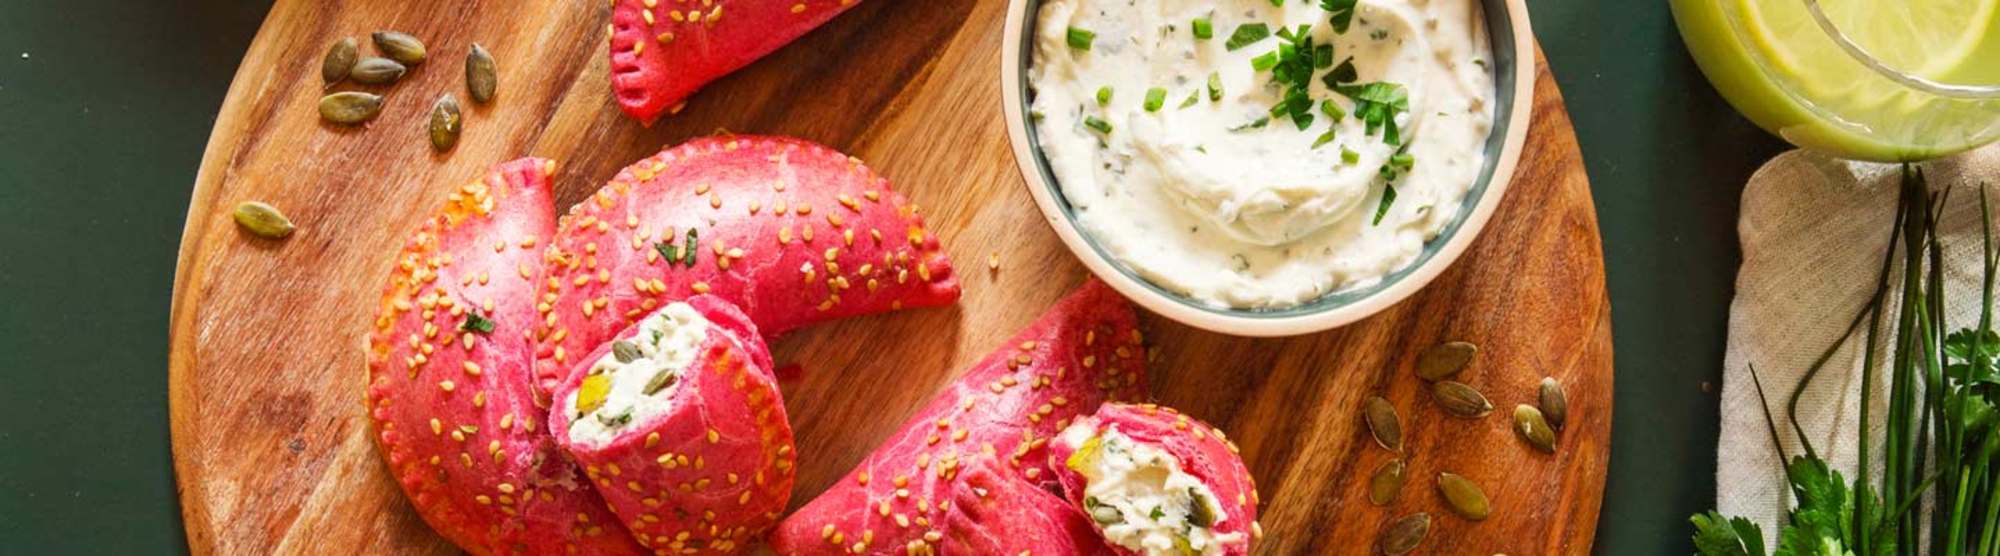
(273, 455)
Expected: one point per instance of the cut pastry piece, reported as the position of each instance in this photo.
(679, 424)
(1083, 351)
(1156, 482)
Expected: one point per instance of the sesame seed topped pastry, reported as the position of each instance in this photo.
(449, 378)
(679, 424)
(792, 232)
(1158, 483)
(663, 50)
(995, 511)
(1084, 351)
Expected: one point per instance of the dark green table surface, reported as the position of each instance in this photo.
(105, 108)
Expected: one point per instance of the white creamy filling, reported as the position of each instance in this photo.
(657, 355)
(1194, 201)
(1142, 500)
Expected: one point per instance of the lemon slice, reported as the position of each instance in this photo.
(1921, 37)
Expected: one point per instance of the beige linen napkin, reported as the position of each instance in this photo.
(1814, 231)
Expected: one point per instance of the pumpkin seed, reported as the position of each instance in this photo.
(482, 78)
(263, 220)
(445, 123)
(625, 351)
(1404, 534)
(661, 381)
(1445, 360)
(1533, 428)
(350, 107)
(1383, 423)
(401, 46)
(1555, 404)
(1387, 484)
(377, 71)
(1464, 497)
(339, 61)
(1461, 400)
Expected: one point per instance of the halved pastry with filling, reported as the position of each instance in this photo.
(1156, 482)
(1084, 351)
(679, 423)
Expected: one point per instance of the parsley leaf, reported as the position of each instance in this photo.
(1343, 13)
(475, 323)
(1715, 535)
(1247, 34)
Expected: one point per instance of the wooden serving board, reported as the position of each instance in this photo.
(273, 454)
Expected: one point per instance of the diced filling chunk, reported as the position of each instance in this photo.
(635, 381)
(1142, 500)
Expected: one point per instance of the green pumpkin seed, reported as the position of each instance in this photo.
(1464, 497)
(1199, 514)
(625, 351)
(401, 46)
(263, 220)
(350, 107)
(377, 71)
(1445, 360)
(339, 61)
(1533, 428)
(1555, 404)
(1383, 423)
(1387, 483)
(661, 381)
(445, 123)
(1102, 514)
(482, 78)
(1461, 400)
(1404, 534)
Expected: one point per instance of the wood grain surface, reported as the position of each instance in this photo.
(272, 451)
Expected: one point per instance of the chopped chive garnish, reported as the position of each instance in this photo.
(687, 253)
(1253, 124)
(1278, 3)
(1332, 110)
(1325, 138)
(1267, 61)
(1348, 155)
(1402, 160)
(1245, 35)
(1036, 115)
(1155, 98)
(1388, 198)
(1214, 86)
(1191, 99)
(668, 252)
(1203, 28)
(1103, 96)
(1323, 56)
(1080, 39)
(1098, 124)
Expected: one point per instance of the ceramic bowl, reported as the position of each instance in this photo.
(1514, 77)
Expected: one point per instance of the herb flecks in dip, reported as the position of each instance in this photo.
(1142, 500)
(635, 381)
(1251, 155)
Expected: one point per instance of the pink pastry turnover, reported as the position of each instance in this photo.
(792, 232)
(1008, 407)
(664, 50)
(449, 385)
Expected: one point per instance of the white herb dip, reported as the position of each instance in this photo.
(1257, 217)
